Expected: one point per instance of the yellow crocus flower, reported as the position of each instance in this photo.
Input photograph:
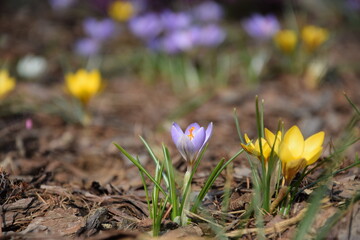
(121, 10)
(295, 153)
(286, 40)
(254, 149)
(7, 83)
(313, 37)
(83, 84)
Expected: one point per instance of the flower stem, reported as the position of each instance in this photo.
(186, 194)
(281, 195)
(267, 197)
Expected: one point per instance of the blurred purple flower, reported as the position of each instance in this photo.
(261, 27)
(61, 4)
(154, 44)
(178, 41)
(208, 11)
(191, 142)
(146, 26)
(209, 36)
(87, 47)
(353, 4)
(99, 29)
(173, 21)
(166, 44)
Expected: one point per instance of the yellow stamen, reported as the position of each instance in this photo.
(190, 135)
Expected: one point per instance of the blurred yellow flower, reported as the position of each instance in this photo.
(295, 153)
(286, 40)
(313, 37)
(83, 84)
(254, 149)
(7, 83)
(314, 72)
(121, 10)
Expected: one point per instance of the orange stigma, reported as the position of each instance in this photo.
(190, 135)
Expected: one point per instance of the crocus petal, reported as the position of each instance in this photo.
(247, 139)
(199, 138)
(285, 154)
(190, 142)
(247, 148)
(312, 145)
(266, 150)
(294, 141)
(176, 132)
(186, 148)
(289, 169)
(314, 156)
(270, 138)
(196, 126)
(257, 147)
(251, 148)
(208, 132)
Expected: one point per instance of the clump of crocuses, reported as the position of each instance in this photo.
(261, 27)
(191, 144)
(281, 156)
(175, 32)
(293, 151)
(97, 31)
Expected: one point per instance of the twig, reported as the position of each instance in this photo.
(278, 227)
(167, 213)
(193, 215)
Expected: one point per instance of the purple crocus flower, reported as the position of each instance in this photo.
(173, 21)
(178, 41)
(261, 27)
(208, 11)
(166, 44)
(209, 36)
(192, 141)
(99, 29)
(353, 5)
(61, 4)
(87, 47)
(146, 26)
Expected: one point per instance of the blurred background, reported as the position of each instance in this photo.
(300, 56)
(190, 43)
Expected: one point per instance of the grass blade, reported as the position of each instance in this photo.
(146, 191)
(315, 205)
(172, 185)
(211, 179)
(154, 158)
(141, 168)
(352, 104)
(238, 130)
